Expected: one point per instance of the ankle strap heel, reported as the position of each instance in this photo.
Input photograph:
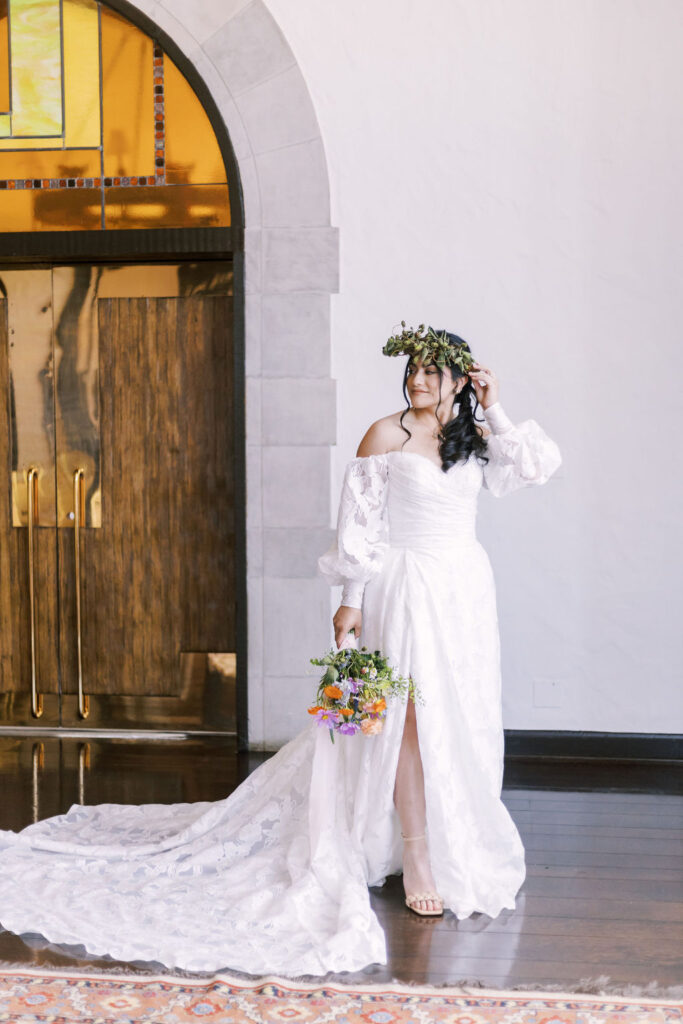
(407, 839)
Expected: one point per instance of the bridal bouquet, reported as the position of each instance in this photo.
(353, 692)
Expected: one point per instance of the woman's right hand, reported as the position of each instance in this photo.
(344, 621)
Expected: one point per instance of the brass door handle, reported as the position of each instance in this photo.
(32, 485)
(83, 764)
(83, 701)
(37, 764)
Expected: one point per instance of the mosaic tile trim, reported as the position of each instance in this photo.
(159, 118)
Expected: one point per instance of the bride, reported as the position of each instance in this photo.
(275, 877)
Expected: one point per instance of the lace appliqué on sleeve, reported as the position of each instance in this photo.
(520, 455)
(357, 553)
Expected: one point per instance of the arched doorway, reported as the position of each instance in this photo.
(122, 518)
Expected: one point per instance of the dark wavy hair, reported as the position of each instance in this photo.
(459, 438)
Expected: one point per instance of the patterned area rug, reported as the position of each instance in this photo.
(35, 997)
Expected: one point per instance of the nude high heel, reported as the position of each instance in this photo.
(412, 897)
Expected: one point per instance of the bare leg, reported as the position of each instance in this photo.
(409, 797)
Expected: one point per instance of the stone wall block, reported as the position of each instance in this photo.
(254, 459)
(296, 486)
(253, 259)
(253, 403)
(289, 552)
(294, 188)
(249, 48)
(299, 411)
(294, 328)
(254, 551)
(296, 625)
(278, 112)
(252, 335)
(301, 259)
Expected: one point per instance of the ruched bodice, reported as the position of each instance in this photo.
(427, 508)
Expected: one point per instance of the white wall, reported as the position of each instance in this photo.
(511, 170)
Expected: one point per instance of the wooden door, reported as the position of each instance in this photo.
(153, 433)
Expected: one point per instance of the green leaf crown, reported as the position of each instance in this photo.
(428, 346)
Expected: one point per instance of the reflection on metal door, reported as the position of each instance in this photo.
(101, 486)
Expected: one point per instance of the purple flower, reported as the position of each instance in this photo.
(326, 716)
(348, 728)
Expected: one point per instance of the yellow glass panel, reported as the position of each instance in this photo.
(56, 143)
(74, 209)
(80, 26)
(167, 206)
(127, 98)
(4, 58)
(36, 62)
(4, 124)
(61, 163)
(192, 153)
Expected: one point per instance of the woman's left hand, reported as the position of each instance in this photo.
(485, 384)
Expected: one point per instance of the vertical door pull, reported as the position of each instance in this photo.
(83, 701)
(32, 484)
(37, 764)
(83, 764)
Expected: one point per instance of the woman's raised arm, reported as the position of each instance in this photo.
(520, 455)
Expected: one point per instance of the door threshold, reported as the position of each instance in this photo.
(113, 734)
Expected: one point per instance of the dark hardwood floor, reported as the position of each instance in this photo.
(604, 845)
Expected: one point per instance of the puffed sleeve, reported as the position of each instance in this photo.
(358, 550)
(520, 455)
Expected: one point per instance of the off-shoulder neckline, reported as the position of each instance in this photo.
(399, 451)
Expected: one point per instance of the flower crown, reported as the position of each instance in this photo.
(429, 346)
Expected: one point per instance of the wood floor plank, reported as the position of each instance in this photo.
(590, 797)
(607, 888)
(642, 805)
(616, 873)
(622, 948)
(588, 858)
(563, 838)
(600, 819)
(632, 912)
(668, 934)
(546, 827)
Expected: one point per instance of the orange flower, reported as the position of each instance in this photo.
(345, 711)
(371, 726)
(315, 710)
(332, 691)
(375, 706)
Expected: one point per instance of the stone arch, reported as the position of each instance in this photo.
(291, 267)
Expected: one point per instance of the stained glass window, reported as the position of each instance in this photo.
(98, 127)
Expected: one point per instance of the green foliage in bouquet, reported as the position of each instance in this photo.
(428, 346)
(353, 692)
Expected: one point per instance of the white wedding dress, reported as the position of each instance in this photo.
(274, 878)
